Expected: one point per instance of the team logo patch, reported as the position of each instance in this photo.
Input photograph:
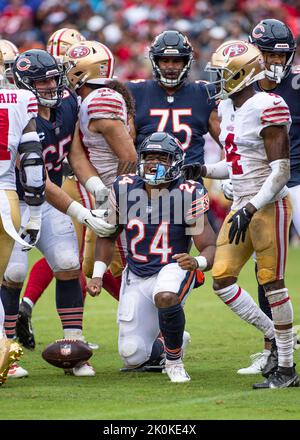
(258, 31)
(235, 50)
(65, 349)
(23, 64)
(79, 52)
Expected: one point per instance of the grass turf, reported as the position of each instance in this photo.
(221, 344)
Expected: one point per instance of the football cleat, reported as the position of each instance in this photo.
(93, 346)
(81, 370)
(10, 352)
(176, 372)
(155, 366)
(282, 378)
(258, 362)
(272, 362)
(186, 340)
(16, 371)
(24, 330)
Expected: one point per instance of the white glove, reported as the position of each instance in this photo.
(93, 219)
(96, 187)
(227, 189)
(32, 230)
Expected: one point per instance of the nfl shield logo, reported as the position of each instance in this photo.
(65, 349)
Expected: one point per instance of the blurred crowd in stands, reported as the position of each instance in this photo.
(129, 26)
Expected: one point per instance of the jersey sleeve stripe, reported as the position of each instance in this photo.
(274, 115)
(112, 112)
(276, 121)
(105, 105)
(276, 109)
(100, 99)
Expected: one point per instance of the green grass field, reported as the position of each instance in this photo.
(221, 344)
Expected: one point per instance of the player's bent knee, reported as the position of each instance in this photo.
(165, 299)
(67, 275)
(66, 261)
(133, 351)
(266, 276)
(15, 273)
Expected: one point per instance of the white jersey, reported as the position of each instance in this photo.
(244, 146)
(17, 108)
(103, 103)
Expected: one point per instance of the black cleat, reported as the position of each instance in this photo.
(24, 330)
(283, 377)
(156, 366)
(272, 362)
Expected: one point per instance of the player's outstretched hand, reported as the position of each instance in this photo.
(186, 261)
(192, 171)
(227, 189)
(31, 232)
(239, 225)
(94, 286)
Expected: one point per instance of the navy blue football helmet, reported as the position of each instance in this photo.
(38, 65)
(171, 44)
(164, 144)
(272, 35)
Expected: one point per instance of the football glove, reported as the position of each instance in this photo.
(226, 187)
(96, 187)
(31, 231)
(192, 171)
(239, 225)
(93, 219)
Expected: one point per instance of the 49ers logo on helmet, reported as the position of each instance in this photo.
(79, 52)
(235, 50)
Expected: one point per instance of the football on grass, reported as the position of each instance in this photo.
(67, 353)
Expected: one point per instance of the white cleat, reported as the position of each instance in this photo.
(83, 370)
(16, 371)
(258, 362)
(92, 345)
(176, 372)
(185, 342)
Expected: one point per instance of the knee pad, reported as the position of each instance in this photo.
(66, 260)
(15, 272)
(132, 350)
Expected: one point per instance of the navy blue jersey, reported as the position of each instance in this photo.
(157, 228)
(184, 114)
(289, 89)
(56, 137)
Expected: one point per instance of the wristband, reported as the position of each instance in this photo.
(99, 269)
(202, 262)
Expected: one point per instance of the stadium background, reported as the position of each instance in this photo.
(220, 342)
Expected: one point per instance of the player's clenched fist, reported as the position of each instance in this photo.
(186, 261)
(94, 286)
